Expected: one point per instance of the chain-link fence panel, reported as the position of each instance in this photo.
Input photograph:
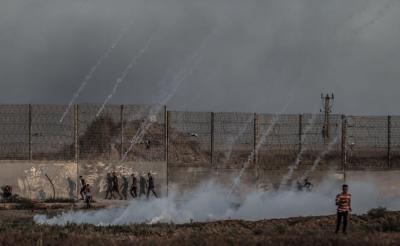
(189, 138)
(233, 139)
(366, 142)
(278, 140)
(51, 138)
(99, 136)
(395, 141)
(14, 132)
(144, 133)
(321, 135)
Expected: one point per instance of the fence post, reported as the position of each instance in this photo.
(255, 150)
(389, 139)
(76, 140)
(30, 131)
(76, 132)
(212, 139)
(122, 132)
(166, 122)
(344, 146)
(300, 131)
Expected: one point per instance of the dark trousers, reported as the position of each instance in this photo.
(134, 191)
(109, 193)
(152, 190)
(82, 192)
(116, 190)
(88, 200)
(342, 216)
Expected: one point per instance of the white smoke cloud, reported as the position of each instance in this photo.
(209, 202)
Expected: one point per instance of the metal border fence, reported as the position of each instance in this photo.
(219, 140)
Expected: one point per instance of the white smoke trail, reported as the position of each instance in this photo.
(125, 72)
(91, 72)
(316, 162)
(296, 163)
(208, 202)
(168, 91)
(261, 141)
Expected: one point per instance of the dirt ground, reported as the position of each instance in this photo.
(17, 228)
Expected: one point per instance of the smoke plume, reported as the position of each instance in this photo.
(209, 202)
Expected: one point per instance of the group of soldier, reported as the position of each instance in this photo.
(146, 186)
(140, 186)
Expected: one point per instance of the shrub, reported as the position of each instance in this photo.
(376, 213)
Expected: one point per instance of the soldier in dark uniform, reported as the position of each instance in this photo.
(7, 192)
(151, 186)
(83, 187)
(134, 186)
(88, 195)
(143, 185)
(124, 187)
(109, 192)
(115, 186)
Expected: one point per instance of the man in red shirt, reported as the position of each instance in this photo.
(343, 203)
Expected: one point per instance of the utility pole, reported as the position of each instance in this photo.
(344, 146)
(30, 131)
(327, 102)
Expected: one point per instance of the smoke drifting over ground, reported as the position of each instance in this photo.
(258, 52)
(209, 202)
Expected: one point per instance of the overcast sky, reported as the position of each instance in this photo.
(250, 55)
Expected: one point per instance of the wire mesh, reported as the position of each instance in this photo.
(52, 139)
(14, 132)
(99, 137)
(144, 133)
(367, 142)
(193, 135)
(278, 138)
(319, 134)
(233, 138)
(189, 138)
(395, 141)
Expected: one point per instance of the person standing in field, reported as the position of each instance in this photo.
(343, 203)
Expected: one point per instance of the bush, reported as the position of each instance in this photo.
(376, 213)
(24, 203)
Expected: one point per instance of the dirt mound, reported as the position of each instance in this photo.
(102, 140)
